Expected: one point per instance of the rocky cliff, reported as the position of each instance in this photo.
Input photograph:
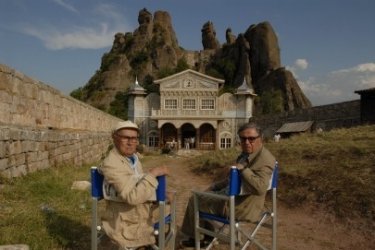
(152, 52)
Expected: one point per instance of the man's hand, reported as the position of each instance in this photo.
(159, 171)
(240, 166)
(171, 196)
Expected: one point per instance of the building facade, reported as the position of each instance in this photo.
(367, 105)
(189, 112)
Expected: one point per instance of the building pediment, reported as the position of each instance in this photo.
(189, 80)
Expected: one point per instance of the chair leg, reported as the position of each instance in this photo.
(196, 223)
(251, 239)
(94, 224)
(173, 224)
(274, 220)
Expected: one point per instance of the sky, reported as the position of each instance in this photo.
(329, 45)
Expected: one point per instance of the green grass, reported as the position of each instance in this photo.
(42, 211)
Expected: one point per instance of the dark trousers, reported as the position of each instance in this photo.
(208, 205)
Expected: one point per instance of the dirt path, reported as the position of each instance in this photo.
(297, 228)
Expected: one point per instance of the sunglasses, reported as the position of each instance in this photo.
(125, 138)
(250, 138)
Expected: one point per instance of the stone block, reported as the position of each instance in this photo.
(14, 247)
(14, 147)
(5, 82)
(5, 97)
(3, 164)
(2, 149)
(5, 113)
(81, 185)
(31, 157)
(44, 164)
(32, 167)
(42, 155)
(31, 91)
(27, 146)
(17, 86)
(15, 134)
(18, 171)
(16, 160)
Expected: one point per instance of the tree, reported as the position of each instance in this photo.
(272, 102)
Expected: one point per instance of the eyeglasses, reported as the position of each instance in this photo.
(250, 138)
(125, 138)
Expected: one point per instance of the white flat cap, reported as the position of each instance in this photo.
(126, 124)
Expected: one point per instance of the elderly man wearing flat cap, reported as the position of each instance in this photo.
(128, 190)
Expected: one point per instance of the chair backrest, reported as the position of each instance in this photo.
(235, 180)
(275, 176)
(96, 183)
(160, 191)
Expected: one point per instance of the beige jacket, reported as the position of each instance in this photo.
(128, 221)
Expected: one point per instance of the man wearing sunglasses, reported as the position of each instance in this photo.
(256, 165)
(128, 191)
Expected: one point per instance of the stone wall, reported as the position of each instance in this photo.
(28, 102)
(327, 117)
(23, 150)
(40, 127)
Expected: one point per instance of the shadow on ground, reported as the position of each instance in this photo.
(68, 233)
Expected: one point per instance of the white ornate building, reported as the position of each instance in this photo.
(189, 108)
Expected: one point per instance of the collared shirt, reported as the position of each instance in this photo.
(133, 163)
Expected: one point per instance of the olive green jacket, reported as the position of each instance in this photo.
(256, 175)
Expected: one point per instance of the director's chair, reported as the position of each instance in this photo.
(234, 225)
(160, 231)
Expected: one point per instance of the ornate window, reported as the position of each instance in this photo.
(188, 104)
(170, 103)
(153, 140)
(207, 104)
(226, 141)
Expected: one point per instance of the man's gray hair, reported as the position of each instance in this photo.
(251, 125)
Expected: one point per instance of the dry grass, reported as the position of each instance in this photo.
(334, 170)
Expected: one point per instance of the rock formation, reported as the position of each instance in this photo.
(209, 39)
(152, 50)
(152, 47)
(264, 51)
(244, 67)
(229, 36)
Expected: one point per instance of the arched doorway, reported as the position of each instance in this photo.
(169, 136)
(207, 137)
(188, 136)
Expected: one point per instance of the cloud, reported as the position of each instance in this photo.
(301, 64)
(339, 85)
(79, 38)
(103, 22)
(109, 11)
(66, 5)
(365, 67)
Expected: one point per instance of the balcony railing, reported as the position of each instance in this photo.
(186, 113)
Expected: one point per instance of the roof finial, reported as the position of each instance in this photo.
(136, 80)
